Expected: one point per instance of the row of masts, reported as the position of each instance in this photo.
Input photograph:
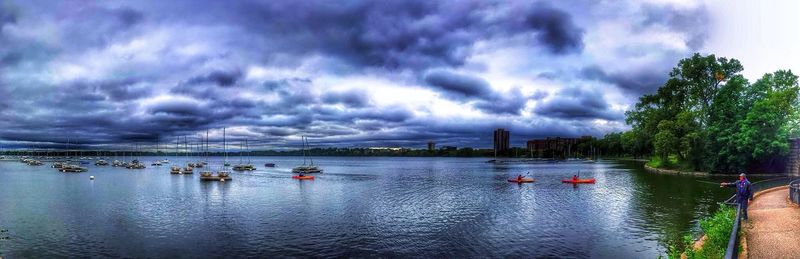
(65, 164)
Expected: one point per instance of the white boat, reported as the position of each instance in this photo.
(222, 174)
(242, 166)
(306, 168)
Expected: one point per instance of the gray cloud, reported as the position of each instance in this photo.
(458, 85)
(353, 98)
(694, 23)
(555, 29)
(632, 81)
(220, 78)
(578, 104)
(464, 87)
(115, 73)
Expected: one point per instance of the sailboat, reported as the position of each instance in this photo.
(223, 174)
(116, 162)
(68, 167)
(166, 161)
(241, 166)
(156, 163)
(306, 169)
(136, 164)
(189, 169)
(175, 169)
(198, 147)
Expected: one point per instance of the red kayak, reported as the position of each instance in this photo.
(589, 180)
(307, 177)
(524, 180)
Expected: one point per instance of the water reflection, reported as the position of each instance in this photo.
(360, 207)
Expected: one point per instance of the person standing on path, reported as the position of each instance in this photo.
(743, 193)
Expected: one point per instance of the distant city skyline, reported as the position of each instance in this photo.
(357, 73)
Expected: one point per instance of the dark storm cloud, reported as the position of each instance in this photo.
(632, 81)
(130, 72)
(462, 87)
(577, 104)
(556, 30)
(353, 98)
(411, 34)
(391, 114)
(8, 15)
(458, 85)
(220, 78)
(509, 103)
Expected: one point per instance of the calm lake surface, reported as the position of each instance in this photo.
(360, 207)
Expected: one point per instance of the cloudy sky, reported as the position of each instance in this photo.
(357, 73)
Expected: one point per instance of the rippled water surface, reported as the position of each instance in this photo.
(360, 207)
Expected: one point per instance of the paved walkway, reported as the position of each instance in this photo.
(773, 230)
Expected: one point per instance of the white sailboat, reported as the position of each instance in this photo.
(223, 174)
(306, 168)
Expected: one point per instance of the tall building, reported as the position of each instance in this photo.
(431, 146)
(501, 140)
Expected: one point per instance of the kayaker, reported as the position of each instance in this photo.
(575, 178)
(743, 193)
(301, 175)
(519, 178)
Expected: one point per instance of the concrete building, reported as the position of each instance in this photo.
(501, 137)
(431, 146)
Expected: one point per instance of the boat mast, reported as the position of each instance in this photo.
(186, 147)
(224, 148)
(309, 152)
(303, 139)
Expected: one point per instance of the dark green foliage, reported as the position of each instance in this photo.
(717, 229)
(711, 118)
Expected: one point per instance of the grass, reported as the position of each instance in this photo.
(672, 162)
(717, 229)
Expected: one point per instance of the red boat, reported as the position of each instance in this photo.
(589, 180)
(305, 177)
(523, 180)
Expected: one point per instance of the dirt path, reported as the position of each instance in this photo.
(773, 230)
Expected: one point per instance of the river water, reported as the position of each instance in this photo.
(360, 207)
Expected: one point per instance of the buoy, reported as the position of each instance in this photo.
(91, 177)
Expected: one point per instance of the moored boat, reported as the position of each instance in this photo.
(70, 168)
(304, 168)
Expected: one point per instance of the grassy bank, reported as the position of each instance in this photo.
(717, 230)
(672, 163)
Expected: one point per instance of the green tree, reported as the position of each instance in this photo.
(764, 132)
(727, 110)
(703, 76)
(665, 140)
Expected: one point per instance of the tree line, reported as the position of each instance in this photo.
(708, 117)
